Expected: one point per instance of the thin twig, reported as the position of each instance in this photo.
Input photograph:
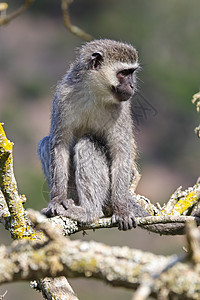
(67, 22)
(54, 288)
(2, 296)
(6, 19)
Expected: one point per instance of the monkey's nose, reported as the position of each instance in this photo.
(131, 83)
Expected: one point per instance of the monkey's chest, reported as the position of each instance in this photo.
(92, 123)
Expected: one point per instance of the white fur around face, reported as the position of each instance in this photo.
(100, 81)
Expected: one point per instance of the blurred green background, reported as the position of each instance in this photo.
(35, 52)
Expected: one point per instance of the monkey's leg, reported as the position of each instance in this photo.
(92, 182)
(58, 165)
(44, 154)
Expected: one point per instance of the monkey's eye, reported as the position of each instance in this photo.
(96, 60)
(126, 72)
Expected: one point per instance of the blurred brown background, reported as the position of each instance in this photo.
(35, 51)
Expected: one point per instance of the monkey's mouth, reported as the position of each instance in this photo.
(122, 93)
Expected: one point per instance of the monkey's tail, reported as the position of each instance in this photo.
(138, 210)
(44, 154)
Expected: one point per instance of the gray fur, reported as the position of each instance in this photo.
(89, 156)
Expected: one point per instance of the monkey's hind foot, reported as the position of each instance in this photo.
(125, 221)
(57, 208)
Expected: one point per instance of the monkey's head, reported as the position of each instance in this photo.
(110, 68)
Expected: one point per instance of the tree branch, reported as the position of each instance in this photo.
(118, 266)
(54, 288)
(166, 225)
(192, 254)
(67, 22)
(6, 19)
(15, 220)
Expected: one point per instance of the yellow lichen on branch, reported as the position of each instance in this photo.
(181, 201)
(17, 223)
(186, 202)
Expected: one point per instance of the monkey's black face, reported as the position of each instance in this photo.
(125, 89)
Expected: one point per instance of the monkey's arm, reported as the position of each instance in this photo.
(120, 149)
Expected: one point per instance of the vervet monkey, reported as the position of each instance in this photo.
(89, 156)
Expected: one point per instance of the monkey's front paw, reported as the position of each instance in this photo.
(125, 220)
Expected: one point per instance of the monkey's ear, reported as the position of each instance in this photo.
(96, 60)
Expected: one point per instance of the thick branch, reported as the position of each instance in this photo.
(15, 220)
(118, 266)
(192, 254)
